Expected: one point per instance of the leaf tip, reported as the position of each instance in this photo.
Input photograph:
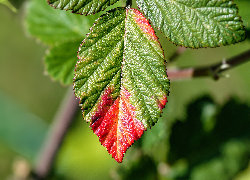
(115, 124)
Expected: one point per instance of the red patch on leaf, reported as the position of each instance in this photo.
(104, 105)
(144, 24)
(118, 127)
(162, 102)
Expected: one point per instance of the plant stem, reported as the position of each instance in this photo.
(213, 71)
(58, 129)
(129, 3)
(9, 5)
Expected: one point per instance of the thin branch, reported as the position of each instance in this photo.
(213, 71)
(64, 116)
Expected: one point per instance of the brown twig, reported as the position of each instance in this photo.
(64, 116)
(213, 71)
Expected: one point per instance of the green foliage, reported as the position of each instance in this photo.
(148, 157)
(82, 6)
(63, 32)
(101, 56)
(60, 65)
(195, 24)
(52, 26)
(203, 24)
(222, 151)
(142, 169)
(121, 77)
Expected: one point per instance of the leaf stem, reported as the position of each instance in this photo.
(129, 3)
(213, 71)
(9, 5)
(59, 127)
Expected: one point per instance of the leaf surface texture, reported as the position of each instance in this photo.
(82, 6)
(121, 79)
(196, 23)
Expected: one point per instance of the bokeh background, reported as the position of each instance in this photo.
(204, 131)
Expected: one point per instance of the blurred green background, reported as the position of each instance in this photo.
(203, 134)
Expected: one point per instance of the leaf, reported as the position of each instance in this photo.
(64, 31)
(60, 61)
(82, 6)
(121, 79)
(52, 26)
(196, 23)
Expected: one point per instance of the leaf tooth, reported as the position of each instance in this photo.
(82, 7)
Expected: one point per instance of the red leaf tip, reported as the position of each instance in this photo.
(115, 123)
(144, 24)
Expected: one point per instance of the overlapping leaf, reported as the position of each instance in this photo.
(63, 31)
(61, 65)
(195, 24)
(82, 6)
(121, 79)
(52, 26)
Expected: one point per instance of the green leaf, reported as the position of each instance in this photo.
(51, 26)
(196, 23)
(64, 31)
(60, 61)
(121, 79)
(82, 6)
